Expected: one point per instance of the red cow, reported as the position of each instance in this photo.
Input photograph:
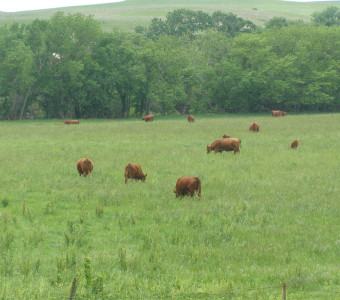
(188, 186)
(225, 144)
(278, 113)
(254, 127)
(148, 118)
(294, 144)
(191, 118)
(84, 166)
(134, 171)
(68, 122)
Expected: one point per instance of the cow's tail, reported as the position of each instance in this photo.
(198, 182)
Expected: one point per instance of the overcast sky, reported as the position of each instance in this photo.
(21, 5)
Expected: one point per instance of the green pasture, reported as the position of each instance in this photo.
(131, 13)
(266, 216)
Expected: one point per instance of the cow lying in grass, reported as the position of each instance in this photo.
(68, 122)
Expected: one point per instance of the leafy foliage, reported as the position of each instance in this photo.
(328, 17)
(67, 67)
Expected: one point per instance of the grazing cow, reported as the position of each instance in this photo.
(68, 122)
(294, 144)
(148, 118)
(225, 136)
(191, 119)
(278, 113)
(225, 144)
(254, 127)
(134, 171)
(188, 186)
(84, 166)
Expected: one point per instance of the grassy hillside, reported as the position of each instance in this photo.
(266, 216)
(131, 13)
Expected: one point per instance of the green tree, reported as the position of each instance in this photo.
(15, 69)
(328, 17)
(276, 22)
(71, 40)
(231, 25)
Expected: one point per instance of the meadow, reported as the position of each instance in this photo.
(267, 215)
(131, 13)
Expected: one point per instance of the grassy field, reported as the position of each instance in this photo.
(131, 13)
(266, 216)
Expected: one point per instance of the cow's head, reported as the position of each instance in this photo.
(226, 136)
(144, 177)
(208, 149)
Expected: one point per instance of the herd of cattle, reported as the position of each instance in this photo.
(184, 185)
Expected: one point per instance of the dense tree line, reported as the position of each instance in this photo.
(68, 66)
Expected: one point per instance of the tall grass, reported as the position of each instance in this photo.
(132, 13)
(266, 216)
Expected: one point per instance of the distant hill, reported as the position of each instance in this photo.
(131, 13)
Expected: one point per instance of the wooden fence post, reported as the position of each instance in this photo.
(73, 288)
(284, 291)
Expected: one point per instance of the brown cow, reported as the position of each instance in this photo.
(188, 186)
(225, 136)
(68, 122)
(294, 144)
(191, 118)
(225, 144)
(84, 166)
(254, 127)
(148, 118)
(278, 113)
(134, 171)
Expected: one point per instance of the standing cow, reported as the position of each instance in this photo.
(84, 166)
(294, 144)
(225, 144)
(188, 186)
(278, 113)
(148, 118)
(254, 127)
(191, 118)
(134, 171)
